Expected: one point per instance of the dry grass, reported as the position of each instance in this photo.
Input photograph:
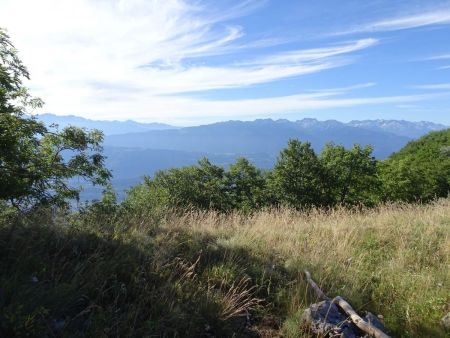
(392, 260)
(203, 273)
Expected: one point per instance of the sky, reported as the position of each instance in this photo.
(188, 62)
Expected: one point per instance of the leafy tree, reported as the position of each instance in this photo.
(402, 181)
(35, 162)
(351, 173)
(298, 178)
(246, 185)
(213, 186)
(419, 171)
(202, 186)
(445, 150)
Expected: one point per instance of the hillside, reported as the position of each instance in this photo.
(259, 136)
(130, 165)
(112, 272)
(422, 165)
(426, 148)
(253, 137)
(136, 149)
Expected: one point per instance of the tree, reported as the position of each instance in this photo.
(351, 173)
(420, 170)
(445, 150)
(403, 181)
(298, 178)
(36, 162)
(246, 185)
(202, 186)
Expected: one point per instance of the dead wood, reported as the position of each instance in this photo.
(358, 321)
(333, 322)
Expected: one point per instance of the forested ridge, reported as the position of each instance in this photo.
(301, 178)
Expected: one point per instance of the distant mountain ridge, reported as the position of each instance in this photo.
(267, 136)
(399, 127)
(136, 149)
(108, 127)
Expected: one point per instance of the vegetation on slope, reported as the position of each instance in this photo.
(109, 271)
(421, 170)
(302, 179)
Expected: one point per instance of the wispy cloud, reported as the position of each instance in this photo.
(188, 110)
(297, 56)
(269, 68)
(341, 90)
(141, 59)
(438, 16)
(94, 52)
(440, 57)
(434, 86)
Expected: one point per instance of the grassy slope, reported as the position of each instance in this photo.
(200, 273)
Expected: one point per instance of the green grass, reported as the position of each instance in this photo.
(123, 274)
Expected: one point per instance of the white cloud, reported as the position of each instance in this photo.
(440, 57)
(438, 16)
(119, 59)
(307, 55)
(341, 90)
(434, 86)
(173, 109)
(267, 69)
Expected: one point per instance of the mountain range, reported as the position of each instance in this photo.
(108, 127)
(136, 149)
(270, 136)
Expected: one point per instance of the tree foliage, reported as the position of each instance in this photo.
(298, 178)
(419, 171)
(201, 186)
(36, 162)
(351, 174)
(246, 185)
(303, 179)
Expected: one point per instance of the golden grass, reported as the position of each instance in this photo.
(392, 260)
(133, 273)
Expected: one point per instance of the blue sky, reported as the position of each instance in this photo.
(191, 62)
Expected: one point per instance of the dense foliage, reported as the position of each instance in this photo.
(419, 171)
(302, 179)
(35, 161)
(298, 178)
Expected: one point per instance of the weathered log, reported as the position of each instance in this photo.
(358, 321)
(326, 318)
(320, 294)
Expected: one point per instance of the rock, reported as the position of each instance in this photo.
(328, 320)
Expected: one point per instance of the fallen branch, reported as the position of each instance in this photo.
(320, 294)
(359, 322)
